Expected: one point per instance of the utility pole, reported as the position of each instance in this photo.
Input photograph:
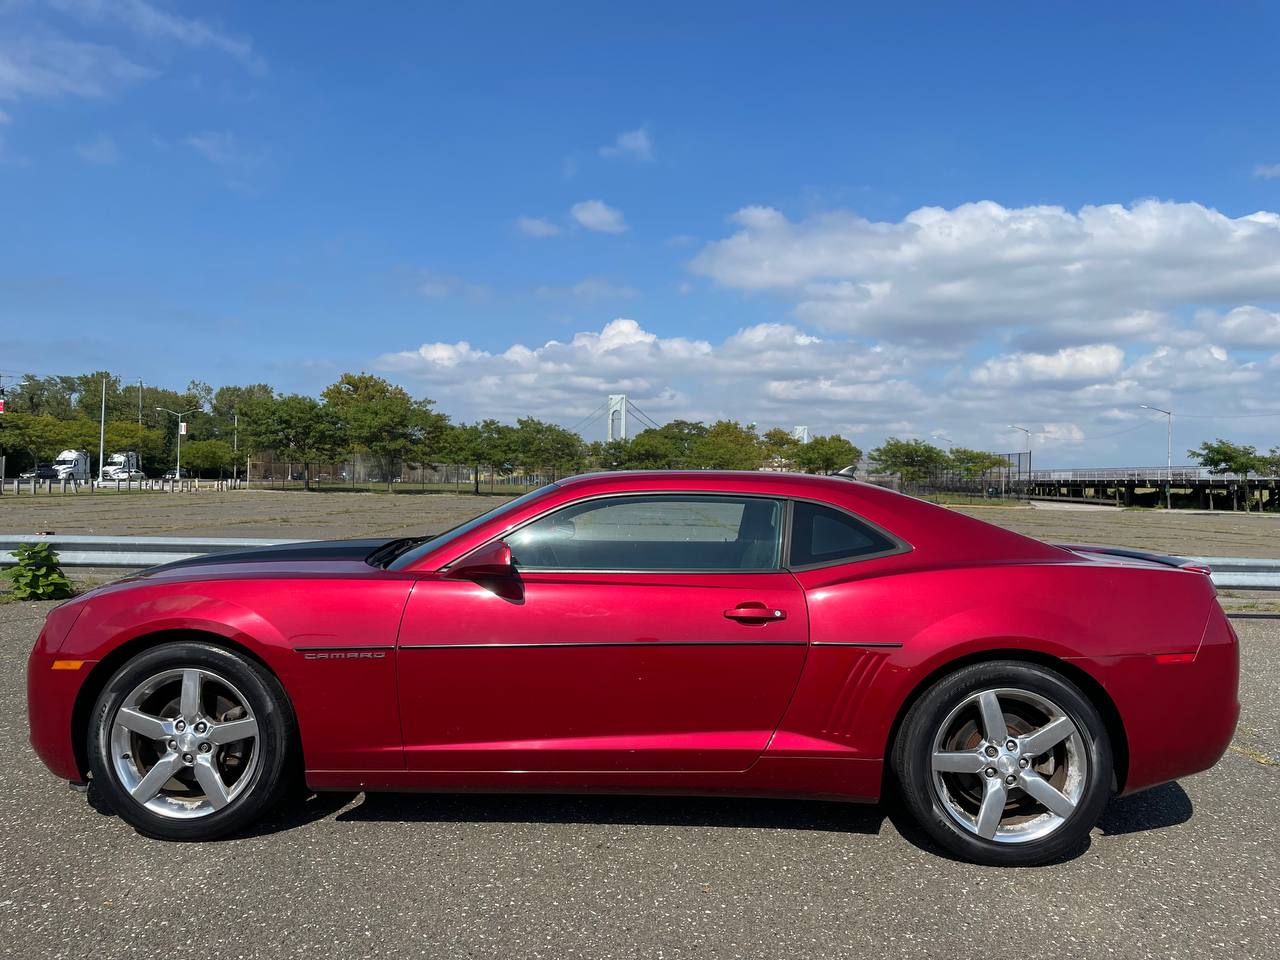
(235, 445)
(1168, 486)
(102, 429)
(177, 473)
(139, 450)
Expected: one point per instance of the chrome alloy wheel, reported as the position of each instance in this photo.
(1009, 765)
(184, 743)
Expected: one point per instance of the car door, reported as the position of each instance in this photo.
(640, 632)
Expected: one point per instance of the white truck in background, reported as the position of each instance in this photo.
(123, 466)
(72, 465)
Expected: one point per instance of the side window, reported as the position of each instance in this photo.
(659, 532)
(822, 535)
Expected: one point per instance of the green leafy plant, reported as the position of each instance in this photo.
(36, 575)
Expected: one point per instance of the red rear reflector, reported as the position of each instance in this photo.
(1175, 658)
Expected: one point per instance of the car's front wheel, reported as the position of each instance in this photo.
(1005, 763)
(189, 741)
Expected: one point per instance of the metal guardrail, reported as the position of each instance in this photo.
(133, 552)
(1229, 573)
(1242, 573)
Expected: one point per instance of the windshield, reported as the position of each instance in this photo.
(412, 556)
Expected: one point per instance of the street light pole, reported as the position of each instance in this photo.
(1168, 487)
(1014, 426)
(177, 473)
(102, 429)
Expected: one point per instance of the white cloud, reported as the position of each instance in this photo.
(1101, 272)
(769, 373)
(536, 227)
(1194, 369)
(100, 151)
(1081, 403)
(1245, 326)
(441, 286)
(44, 64)
(598, 216)
(1268, 171)
(150, 21)
(1071, 364)
(632, 144)
(590, 290)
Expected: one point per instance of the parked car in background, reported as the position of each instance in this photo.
(173, 474)
(44, 471)
(701, 632)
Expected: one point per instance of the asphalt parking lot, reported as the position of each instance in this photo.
(1186, 870)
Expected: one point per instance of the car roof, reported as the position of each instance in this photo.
(677, 479)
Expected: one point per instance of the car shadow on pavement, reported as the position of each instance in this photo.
(1164, 806)
(638, 810)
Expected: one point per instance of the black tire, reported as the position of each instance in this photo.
(269, 776)
(913, 749)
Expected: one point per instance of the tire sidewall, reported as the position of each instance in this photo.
(275, 729)
(915, 774)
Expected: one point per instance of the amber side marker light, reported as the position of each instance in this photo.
(1163, 658)
(68, 664)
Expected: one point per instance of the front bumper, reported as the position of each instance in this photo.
(52, 695)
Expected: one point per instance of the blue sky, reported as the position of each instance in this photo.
(923, 219)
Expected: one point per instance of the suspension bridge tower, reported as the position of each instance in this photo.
(616, 417)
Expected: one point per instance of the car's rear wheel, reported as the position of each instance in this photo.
(189, 741)
(1005, 763)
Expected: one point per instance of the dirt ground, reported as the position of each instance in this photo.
(295, 515)
(1185, 534)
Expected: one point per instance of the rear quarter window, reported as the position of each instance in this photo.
(821, 534)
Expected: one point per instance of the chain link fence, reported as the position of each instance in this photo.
(1009, 482)
(362, 474)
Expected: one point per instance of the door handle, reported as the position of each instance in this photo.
(752, 612)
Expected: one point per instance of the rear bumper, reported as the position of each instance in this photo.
(1178, 717)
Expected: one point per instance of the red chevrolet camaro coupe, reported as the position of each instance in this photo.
(698, 633)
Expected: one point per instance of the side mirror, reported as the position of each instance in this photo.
(491, 560)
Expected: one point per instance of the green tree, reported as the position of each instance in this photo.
(147, 442)
(1270, 462)
(381, 420)
(486, 444)
(1222, 456)
(611, 455)
(726, 445)
(974, 463)
(201, 456)
(651, 449)
(296, 425)
(540, 446)
(826, 454)
(911, 460)
(779, 444)
(41, 436)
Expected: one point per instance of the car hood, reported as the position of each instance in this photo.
(283, 557)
